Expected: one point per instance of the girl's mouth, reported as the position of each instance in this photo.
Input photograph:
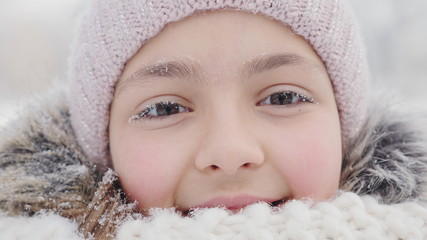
(278, 203)
(234, 204)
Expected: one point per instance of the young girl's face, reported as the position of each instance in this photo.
(225, 108)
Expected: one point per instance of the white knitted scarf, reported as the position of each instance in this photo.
(348, 216)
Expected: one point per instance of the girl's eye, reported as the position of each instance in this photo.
(161, 109)
(285, 98)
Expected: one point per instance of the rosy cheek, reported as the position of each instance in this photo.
(313, 178)
(146, 173)
(311, 163)
(316, 174)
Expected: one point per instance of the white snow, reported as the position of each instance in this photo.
(43, 227)
(8, 110)
(34, 45)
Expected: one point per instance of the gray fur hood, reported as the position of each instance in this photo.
(43, 168)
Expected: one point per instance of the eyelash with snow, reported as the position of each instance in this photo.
(158, 110)
(285, 98)
(165, 109)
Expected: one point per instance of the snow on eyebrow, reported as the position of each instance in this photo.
(270, 62)
(163, 69)
(192, 70)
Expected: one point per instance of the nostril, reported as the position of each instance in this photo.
(214, 167)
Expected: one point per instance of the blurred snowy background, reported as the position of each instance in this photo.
(35, 37)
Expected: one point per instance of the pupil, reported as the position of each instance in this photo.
(281, 98)
(165, 109)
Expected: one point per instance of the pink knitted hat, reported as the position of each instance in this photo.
(114, 30)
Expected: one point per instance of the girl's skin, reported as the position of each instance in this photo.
(225, 108)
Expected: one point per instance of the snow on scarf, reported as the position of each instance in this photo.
(348, 216)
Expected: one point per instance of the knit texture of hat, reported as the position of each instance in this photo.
(114, 30)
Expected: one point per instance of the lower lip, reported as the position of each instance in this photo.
(234, 203)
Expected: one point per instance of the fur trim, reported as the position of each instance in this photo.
(388, 159)
(41, 164)
(107, 210)
(43, 168)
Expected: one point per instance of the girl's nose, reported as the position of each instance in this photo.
(229, 147)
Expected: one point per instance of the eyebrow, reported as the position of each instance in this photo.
(193, 71)
(269, 62)
(170, 69)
